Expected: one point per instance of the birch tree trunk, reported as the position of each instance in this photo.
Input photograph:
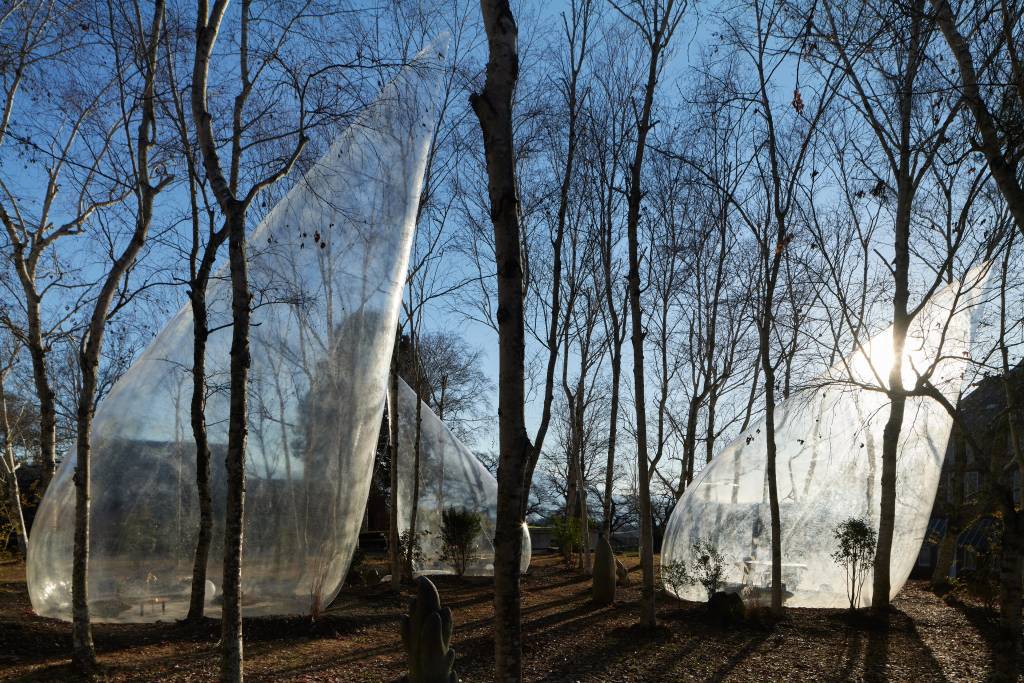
(83, 652)
(493, 108)
(234, 511)
(197, 599)
(44, 392)
(41, 28)
(894, 424)
(234, 206)
(417, 436)
(771, 452)
(201, 262)
(905, 190)
(25, 259)
(197, 408)
(613, 420)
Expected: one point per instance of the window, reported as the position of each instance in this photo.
(1016, 487)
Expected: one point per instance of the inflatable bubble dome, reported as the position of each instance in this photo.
(829, 468)
(327, 267)
(450, 476)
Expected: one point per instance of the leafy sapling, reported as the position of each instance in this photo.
(676, 575)
(856, 554)
(708, 566)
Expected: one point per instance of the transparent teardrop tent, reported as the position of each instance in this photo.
(829, 467)
(327, 266)
(450, 476)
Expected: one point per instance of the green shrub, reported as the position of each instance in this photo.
(569, 537)
(676, 575)
(856, 553)
(459, 530)
(706, 568)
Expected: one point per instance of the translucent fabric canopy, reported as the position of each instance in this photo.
(450, 476)
(327, 267)
(829, 468)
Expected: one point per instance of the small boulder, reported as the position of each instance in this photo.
(727, 608)
(604, 579)
(621, 574)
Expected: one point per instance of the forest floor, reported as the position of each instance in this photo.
(565, 638)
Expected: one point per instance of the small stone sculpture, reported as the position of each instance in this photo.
(427, 634)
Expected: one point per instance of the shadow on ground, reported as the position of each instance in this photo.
(565, 637)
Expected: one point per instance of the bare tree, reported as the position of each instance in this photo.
(992, 86)
(430, 362)
(766, 200)
(698, 317)
(45, 37)
(207, 237)
(607, 133)
(493, 108)
(1011, 563)
(719, 322)
(454, 384)
(666, 245)
(889, 44)
(394, 545)
(584, 347)
(656, 21)
(145, 192)
(234, 203)
(784, 168)
(10, 425)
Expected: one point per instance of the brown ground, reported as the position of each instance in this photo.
(566, 638)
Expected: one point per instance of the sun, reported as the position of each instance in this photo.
(872, 364)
